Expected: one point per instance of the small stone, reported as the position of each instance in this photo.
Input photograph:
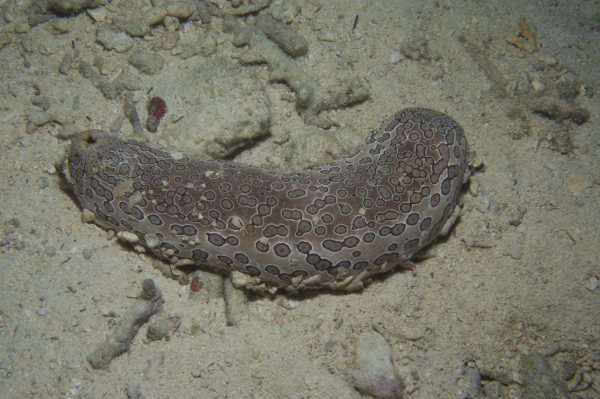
(290, 41)
(162, 327)
(41, 312)
(111, 40)
(51, 170)
(158, 329)
(285, 11)
(537, 85)
(472, 381)
(50, 251)
(133, 28)
(287, 303)
(127, 236)
(38, 118)
(87, 216)
(65, 64)
(578, 184)
(413, 333)
(152, 240)
(97, 14)
(21, 27)
(155, 16)
(515, 251)
(592, 283)
(148, 63)
(548, 60)
(170, 41)
(57, 26)
(492, 390)
(196, 373)
(172, 24)
(41, 101)
(396, 57)
(180, 9)
(134, 392)
(133, 83)
(516, 217)
(69, 7)
(87, 253)
(373, 371)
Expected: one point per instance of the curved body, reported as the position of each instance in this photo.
(328, 226)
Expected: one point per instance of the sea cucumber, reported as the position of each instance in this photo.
(332, 225)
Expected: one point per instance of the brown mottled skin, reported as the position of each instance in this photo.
(328, 226)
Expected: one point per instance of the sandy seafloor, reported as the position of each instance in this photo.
(507, 306)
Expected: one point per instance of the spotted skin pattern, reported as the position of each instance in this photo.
(329, 226)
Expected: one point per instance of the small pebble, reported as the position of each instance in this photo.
(492, 390)
(41, 312)
(514, 251)
(51, 170)
(548, 60)
(127, 236)
(57, 26)
(516, 217)
(21, 27)
(373, 371)
(578, 184)
(285, 11)
(158, 329)
(537, 85)
(180, 9)
(97, 14)
(132, 27)
(472, 381)
(592, 283)
(413, 333)
(171, 24)
(50, 251)
(111, 40)
(87, 216)
(134, 392)
(133, 83)
(38, 118)
(41, 101)
(87, 253)
(165, 326)
(70, 7)
(396, 57)
(145, 62)
(155, 16)
(43, 183)
(196, 373)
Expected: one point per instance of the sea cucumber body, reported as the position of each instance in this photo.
(329, 226)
